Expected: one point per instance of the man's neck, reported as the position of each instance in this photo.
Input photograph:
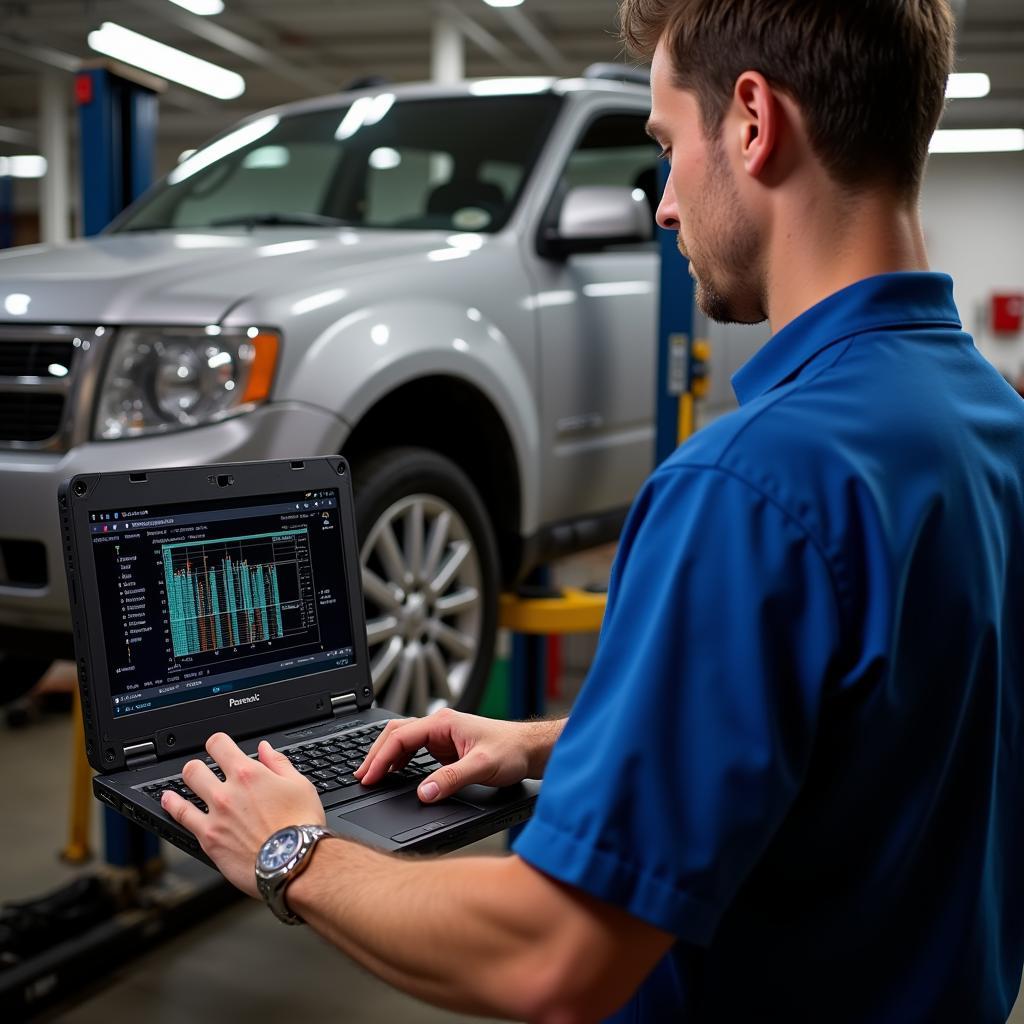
(818, 253)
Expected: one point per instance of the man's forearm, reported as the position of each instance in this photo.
(491, 935)
(543, 734)
(455, 932)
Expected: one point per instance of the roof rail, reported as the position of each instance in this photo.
(366, 82)
(619, 73)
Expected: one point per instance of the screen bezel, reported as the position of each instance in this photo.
(184, 727)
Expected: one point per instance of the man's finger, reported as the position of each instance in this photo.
(223, 749)
(394, 752)
(185, 814)
(395, 723)
(277, 762)
(198, 777)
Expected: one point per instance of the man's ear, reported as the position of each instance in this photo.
(757, 115)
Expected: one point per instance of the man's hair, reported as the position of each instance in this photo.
(868, 75)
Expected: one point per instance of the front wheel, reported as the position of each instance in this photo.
(430, 581)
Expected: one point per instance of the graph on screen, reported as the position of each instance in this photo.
(238, 591)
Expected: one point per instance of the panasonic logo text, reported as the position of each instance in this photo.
(233, 703)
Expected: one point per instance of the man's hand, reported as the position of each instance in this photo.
(473, 749)
(257, 798)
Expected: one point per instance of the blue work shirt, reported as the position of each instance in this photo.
(799, 749)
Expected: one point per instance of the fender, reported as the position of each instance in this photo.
(372, 351)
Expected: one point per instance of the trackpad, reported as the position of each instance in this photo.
(403, 817)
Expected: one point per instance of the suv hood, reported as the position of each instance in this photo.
(177, 277)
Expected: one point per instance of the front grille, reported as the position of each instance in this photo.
(37, 370)
(34, 358)
(29, 417)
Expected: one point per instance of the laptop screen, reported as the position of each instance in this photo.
(203, 598)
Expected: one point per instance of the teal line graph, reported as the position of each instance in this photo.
(236, 591)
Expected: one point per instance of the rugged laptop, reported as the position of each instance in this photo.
(228, 598)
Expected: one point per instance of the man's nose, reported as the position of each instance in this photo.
(667, 215)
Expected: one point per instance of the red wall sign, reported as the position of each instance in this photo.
(1007, 313)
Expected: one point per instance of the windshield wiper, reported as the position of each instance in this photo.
(252, 220)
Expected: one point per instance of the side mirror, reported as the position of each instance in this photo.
(594, 216)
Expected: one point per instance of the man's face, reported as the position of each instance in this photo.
(703, 205)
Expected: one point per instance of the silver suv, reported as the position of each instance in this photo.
(455, 288)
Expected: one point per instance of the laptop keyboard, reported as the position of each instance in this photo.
(328, 763)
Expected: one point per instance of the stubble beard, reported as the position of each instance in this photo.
(727, 282)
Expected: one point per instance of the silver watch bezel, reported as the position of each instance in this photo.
(272, 884)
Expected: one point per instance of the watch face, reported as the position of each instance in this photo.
(279, 849)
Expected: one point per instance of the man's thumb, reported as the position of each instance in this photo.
(442, 783)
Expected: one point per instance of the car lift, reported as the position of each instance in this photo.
(60, 940)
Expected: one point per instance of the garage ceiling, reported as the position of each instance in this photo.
(301, 48)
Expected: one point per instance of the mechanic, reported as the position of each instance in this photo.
(790, 789)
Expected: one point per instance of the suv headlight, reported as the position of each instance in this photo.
(168, 378)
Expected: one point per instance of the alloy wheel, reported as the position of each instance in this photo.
(422, 584)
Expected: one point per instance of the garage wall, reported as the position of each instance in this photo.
(972, 209)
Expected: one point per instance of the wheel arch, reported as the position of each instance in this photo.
(452, 417)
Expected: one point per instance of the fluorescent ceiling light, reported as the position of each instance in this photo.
(165, 61)
(967, 86)
(204, 7)
(235, 140)
(977, 140)
(509, 86)
(27, 166)
(503, 3)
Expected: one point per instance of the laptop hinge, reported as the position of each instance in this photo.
(139, 753)
(343, 703)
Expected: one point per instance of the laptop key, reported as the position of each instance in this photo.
(346, 793)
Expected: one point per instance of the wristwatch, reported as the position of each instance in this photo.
(283, 857)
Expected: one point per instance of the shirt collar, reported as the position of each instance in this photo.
(915, 298)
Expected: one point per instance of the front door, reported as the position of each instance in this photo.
(597, 322)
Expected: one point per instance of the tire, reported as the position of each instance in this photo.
(430, 580)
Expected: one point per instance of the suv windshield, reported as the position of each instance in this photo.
(453, 163)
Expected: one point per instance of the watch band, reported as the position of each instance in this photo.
(273, 884)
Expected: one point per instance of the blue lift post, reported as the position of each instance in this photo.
(678, 368)
(6, 211)
(528, 669)
(117, 129)
(117, 121)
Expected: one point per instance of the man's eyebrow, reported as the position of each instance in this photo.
(654, 130)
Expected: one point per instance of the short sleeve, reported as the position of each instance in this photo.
(690, 738)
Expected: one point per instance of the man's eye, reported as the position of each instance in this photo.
(665, 154)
